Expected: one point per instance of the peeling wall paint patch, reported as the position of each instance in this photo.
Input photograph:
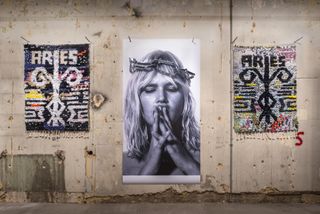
(98, 100)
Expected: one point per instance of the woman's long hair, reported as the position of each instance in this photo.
(136, 133)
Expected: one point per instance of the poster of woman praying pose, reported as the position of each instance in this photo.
(161, 111)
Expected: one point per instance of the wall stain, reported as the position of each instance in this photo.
(220, 166)
(4, 154)
(77, 24)
(90, 158)
(253, 27)
(3, 195)
(269, 190)
(132, 11)
(171, 195)
(42, 183)
(98, 34)
(63, 13)
(209, 182)
(37, 175)
(61, 155)
(98, 100)
(225, 188)
(25, 10)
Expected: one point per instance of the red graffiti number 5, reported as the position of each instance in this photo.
(300, 141)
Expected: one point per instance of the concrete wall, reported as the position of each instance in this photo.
(84, 166)
(273, 160)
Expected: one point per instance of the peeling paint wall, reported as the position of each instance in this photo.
(92, 161)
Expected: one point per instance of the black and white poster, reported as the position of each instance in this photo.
(161, 90)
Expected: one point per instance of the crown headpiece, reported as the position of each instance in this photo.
(136, 66)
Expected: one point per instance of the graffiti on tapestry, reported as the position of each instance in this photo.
(56, 79)
(265, 89)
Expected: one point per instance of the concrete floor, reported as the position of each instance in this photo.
(177, 208)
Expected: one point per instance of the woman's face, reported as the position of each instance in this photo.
(161, 91)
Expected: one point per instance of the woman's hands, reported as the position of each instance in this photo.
(163, 138)
(152, 160)
(179, 154)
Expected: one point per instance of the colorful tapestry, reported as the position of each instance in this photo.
(265, 89)
(56, 87)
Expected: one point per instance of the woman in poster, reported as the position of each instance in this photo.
(161, 131)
